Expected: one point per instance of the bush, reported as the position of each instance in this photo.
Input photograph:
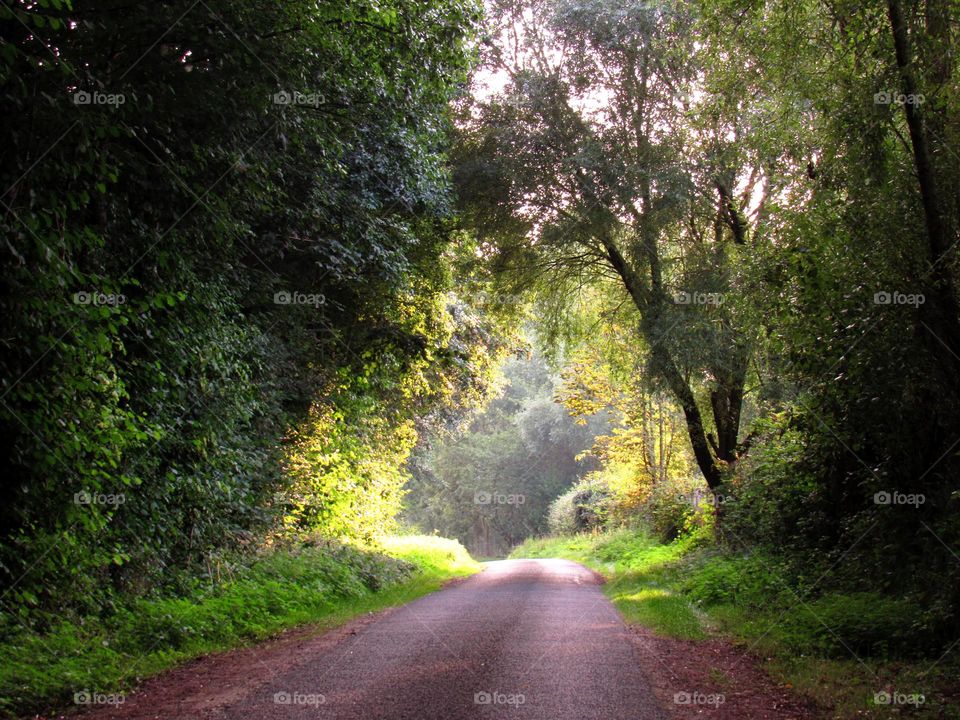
(775, 499)
(585, 506)
(673, 513)
(749, 580)
(865, 623)
(193, 388)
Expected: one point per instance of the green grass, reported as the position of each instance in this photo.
(688, 589)
(321, 584)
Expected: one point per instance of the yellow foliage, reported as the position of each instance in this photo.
(648, 447)
(347, 479)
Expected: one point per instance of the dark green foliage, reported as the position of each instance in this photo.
(869, 624)
(196, 203)
(749, 580)
(671, 515)
(828, 623)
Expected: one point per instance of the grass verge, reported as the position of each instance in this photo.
(844, 652)
(322, 583)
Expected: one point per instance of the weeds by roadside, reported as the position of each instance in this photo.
(79, 660)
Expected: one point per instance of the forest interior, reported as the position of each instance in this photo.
(448, 323)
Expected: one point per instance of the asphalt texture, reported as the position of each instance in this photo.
(533, 639)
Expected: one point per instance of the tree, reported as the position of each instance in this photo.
(855, 292)
(223, 227)
(600, 177)
(490, 483)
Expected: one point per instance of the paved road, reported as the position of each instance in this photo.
(532, 639)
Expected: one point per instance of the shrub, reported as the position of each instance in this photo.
(671, 514)
(750, 580)
(585, 506)
(865, 623)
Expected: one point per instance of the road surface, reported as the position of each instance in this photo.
(533, 639)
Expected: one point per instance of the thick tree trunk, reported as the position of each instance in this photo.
(646, 303)
(691, 412)
(727, 404)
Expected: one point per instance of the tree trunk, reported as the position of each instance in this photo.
(691, 412)
(727, 404)
(940, 312)
(666, 366)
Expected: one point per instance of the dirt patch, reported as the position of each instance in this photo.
(714, 679)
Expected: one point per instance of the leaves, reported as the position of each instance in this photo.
(162, 201)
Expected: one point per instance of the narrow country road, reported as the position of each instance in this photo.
(533, 639)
